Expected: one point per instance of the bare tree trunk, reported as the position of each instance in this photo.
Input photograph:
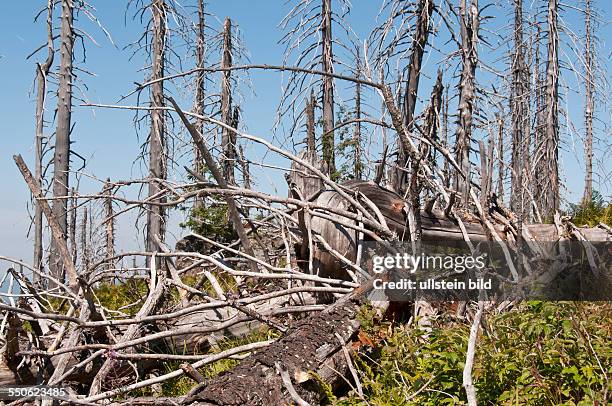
(469, 21)
(61, 158)
(84, 241)
(227, 145)
(110, 225)
(539, 164)
(42, 70)
(156, 222)
(500, 156)
(198, 163)
(357, 165)
(328, 142)
(72, 225)
(446, 167)
(589, 81)
(423, 26)
(551, 147)
(311, 142)
(520, 116)
(246, 172)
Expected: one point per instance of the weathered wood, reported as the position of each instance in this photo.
(436, 227)
(308, 346)
(56, 229)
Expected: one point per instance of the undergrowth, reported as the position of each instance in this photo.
(543, 353)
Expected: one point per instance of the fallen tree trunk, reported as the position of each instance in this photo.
(312, 344)
(436, 227)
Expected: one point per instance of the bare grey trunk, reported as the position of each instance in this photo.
(246, 172)
(84, 241)
(327, 61)
(311, 143)
(42, 70)
(198, 163)
(589, 82)
(539, 165)
(422, 28)
(227, 136)
(551, 148)
(110, 225)
(357, 165)
(61, 157)
(519, 102)
(73, 225)
(156, 217)
(467, 96)
(446, 167)
(500, 156)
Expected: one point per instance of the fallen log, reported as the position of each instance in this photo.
(311, 344)
(436, 226)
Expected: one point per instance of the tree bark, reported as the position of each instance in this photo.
(550, 190)
(42, 70)
(520, 117)
(61, 158)
(589, 82)
(110, 225)
(421, 34)
(198, 162)
(327, 62)
(227, 136)
(156, 216)
(357, 164)
(469, 21)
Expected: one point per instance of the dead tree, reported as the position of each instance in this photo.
(156, 216)
(589, 84)
(85, 246)
(539, 164)
(72, 225)
(519, 101)
(227, 137)
(549, 194)
(469, 23)
(357, 164)
(319, 20)
(500, 155)
(327, 63)
(422, 29)
(61, 158)
(42, 70)
(110, 224)
(198, 163)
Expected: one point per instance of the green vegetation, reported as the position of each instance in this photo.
(544, 353)
(591, 213)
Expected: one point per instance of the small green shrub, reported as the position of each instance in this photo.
(544, 353)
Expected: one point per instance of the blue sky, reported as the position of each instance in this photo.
(107, 137)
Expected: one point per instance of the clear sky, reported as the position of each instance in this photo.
(107, 137)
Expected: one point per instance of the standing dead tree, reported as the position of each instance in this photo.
(42, 70)
(228, 138)
(519, 102)
(469, 25)
(589, 103)
(548, 164)
(327, 63)
(61, 158)
(158, 158)
(424, 13)
(109, 223)
(316, 19)
(200, 84)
